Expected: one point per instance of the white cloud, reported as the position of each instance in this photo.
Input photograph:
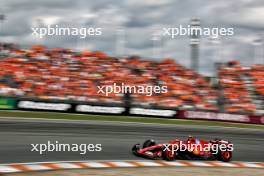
(138, 18)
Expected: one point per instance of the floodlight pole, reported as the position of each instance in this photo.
(258, 49)
(2, 19)
(195, 42)
(120, 42)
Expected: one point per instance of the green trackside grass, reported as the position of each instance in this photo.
(52, 115)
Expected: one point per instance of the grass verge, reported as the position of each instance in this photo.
(52, 115)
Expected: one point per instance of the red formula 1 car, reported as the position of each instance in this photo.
(192, 148)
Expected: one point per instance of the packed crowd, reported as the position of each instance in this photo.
(242, 87)
(63, 74)
(66, 75)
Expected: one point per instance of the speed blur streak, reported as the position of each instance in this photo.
(63, 74)
(117, 139)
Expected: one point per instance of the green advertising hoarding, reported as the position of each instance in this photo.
(7, 103)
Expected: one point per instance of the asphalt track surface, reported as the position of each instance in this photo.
(16, 137)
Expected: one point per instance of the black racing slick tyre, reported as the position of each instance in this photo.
(149, 143)
(225, 156)
(135, 149)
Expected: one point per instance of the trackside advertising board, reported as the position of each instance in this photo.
(216, 116)
(7, 103)
(79, 108)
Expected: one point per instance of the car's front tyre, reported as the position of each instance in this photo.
(135, 149)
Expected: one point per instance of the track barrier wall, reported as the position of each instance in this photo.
(117, 109)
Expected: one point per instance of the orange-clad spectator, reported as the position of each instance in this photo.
(64, 74)
(240, 86)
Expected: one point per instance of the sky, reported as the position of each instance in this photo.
(139, 20)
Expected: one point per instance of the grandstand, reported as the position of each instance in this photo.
(63, 74)
(242, 88)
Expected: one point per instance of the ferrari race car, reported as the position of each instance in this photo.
(192, 148)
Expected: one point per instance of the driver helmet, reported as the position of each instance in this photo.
(190, 138)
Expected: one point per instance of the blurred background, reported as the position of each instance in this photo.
(224, 74)
(139, 20)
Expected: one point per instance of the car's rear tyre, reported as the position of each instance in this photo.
(225, 156)
(149, 143)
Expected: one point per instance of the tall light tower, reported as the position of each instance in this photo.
(85, 21)
(120, 42)
(157, 42)
(258, 51)
(194, 42)
(157, 45)
(38, 23)
(2, 18)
